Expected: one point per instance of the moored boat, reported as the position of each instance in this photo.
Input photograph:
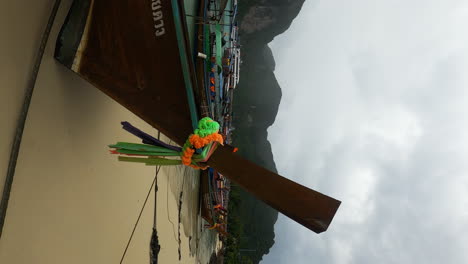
(138, 53)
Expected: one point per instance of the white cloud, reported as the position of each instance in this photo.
(375, 94)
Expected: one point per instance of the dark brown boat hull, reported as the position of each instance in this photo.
(120, 53)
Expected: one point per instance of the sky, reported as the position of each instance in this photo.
(375, 109)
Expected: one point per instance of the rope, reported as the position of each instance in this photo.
(143, 207)
(22, 119)
(139, 216)
(156, 193)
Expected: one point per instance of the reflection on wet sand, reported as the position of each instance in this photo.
(183, 182)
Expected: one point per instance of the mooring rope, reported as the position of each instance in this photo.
(155, 185)
(139, 215)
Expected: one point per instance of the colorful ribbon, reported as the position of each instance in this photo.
(195, 152)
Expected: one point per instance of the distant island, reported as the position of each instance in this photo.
(256, 102)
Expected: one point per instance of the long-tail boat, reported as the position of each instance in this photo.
(212, 196)
(139, 53)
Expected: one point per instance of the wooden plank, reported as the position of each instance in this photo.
(305, 206)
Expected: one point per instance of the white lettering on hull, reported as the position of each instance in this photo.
(158, 18)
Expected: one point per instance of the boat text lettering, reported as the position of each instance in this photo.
(158, 18)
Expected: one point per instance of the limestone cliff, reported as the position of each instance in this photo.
(256, 105)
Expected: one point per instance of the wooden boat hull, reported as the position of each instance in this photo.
(136, 51)
(134, 56)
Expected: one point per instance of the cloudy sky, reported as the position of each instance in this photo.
(375, 100)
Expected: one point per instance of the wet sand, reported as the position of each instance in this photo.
(21, 24)
(71, 201)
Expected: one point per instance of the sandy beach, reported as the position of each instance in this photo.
(71, 201)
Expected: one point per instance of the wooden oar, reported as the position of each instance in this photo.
(154, 244)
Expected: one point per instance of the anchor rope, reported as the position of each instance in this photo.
(155, 185)
(139, 215)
